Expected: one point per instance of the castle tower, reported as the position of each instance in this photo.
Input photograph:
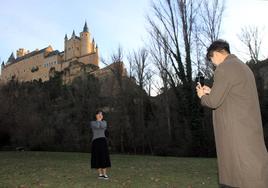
(85, 41)
(65, 47)
(2, 65)
(71, 47)
(93, 45)
(21, 52)
(72, 44)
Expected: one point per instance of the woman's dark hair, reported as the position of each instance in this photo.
(97, 112)
(217, 45)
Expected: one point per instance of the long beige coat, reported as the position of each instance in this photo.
(241, 152)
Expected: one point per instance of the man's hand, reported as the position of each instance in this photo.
(206, 89)
(200, 90)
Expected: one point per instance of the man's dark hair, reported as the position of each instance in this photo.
(217, 45)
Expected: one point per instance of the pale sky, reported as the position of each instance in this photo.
(35, 24)
(241, 13)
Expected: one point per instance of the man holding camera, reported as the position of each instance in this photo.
(241, 152)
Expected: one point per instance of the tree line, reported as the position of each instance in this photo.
(52, 116)
(55, 117)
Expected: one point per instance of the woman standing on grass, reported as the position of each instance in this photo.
(100, 158)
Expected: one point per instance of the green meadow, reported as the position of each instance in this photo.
(72, 170)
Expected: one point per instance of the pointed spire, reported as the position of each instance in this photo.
(93, 41)
(96, 49)
(73, 35)
(66, 38)
(11, 58)
(85, 27)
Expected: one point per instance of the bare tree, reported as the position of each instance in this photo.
(118, 56)
(149, 81)
(160, 58)
(172, 28)
(251, 37)
(207, 30)
(116, 67)
(185, 28)
(175, 28)
(139, 61)
(176, 19)
(211, 19)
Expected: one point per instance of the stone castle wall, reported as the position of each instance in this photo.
(37, 64)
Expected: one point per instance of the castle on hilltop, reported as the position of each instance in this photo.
(39, 64)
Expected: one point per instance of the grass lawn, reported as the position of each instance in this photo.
(72, 170)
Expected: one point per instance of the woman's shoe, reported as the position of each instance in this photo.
(105, 177)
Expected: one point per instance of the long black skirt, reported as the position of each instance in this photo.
(100, 154)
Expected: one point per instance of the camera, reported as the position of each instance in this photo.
(201, 79)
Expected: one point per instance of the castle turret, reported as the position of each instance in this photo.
(2, 65)
(65, 47)
(71, 47)
(73, 35)
(85, 27)
(93, 45)
(97, 49)
(85, 41)
(11, 58)
(22, 52)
